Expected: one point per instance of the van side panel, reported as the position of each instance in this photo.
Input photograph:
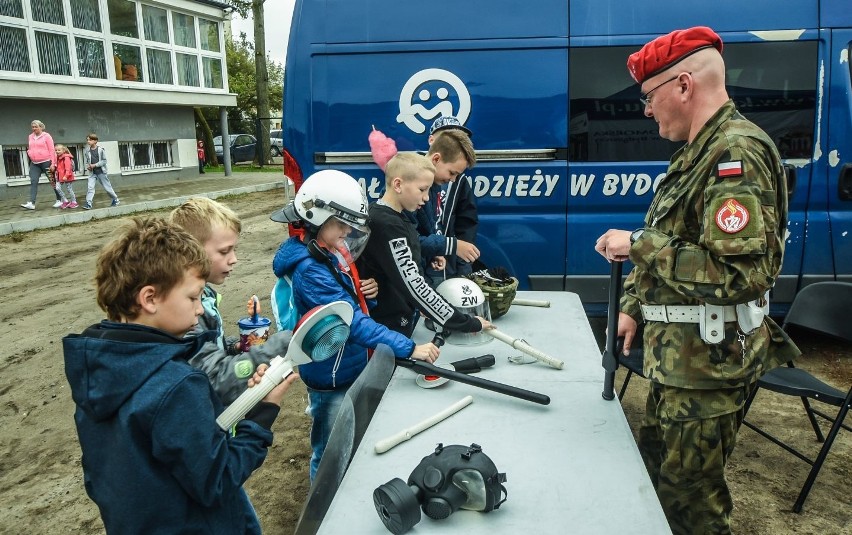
(618, 17)
(512, 95)
(839, 153)
(379, 21)
(835, 14)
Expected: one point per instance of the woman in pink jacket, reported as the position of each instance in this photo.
(42, 155)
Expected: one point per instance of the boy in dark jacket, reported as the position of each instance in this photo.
(447, 223)
(393, 258)
(154, 459)
(332, 210)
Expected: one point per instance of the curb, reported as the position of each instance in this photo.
(82, 216)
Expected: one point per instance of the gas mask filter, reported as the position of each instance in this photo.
(452, 478)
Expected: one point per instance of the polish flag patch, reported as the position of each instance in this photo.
(732, 217)
(730, 169)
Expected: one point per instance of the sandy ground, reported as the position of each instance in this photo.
(46, 292)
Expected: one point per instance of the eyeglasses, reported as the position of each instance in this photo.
(645, 99)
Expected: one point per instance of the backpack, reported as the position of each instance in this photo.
(283, 306)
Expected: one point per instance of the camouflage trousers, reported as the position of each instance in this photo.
(685, 439)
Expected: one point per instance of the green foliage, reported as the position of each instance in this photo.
(241, 80)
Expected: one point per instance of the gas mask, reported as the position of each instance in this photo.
(452, 478)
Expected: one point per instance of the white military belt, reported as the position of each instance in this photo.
(683, 313)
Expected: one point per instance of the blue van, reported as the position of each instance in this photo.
(564, 149)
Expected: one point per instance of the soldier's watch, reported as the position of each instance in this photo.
(635, 235)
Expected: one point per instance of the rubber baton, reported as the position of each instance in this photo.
(609, 359)
(430, 369)
(531, 303)
(520, 345)
(387, 443)
(279, 368)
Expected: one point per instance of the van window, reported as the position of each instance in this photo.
(772, 83)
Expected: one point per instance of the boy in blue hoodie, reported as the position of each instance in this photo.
(154, 459)
(332, 209)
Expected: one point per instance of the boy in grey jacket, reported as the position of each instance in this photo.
(96, 163)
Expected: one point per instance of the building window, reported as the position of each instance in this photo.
(14, 55)
(187, 69)
(15, 161)
(208, 31)
(144, 155)
(127, 59)
(17, 164)
(159, 66)
(12, 8)
(52, 49)
(212, 72)
(184, 29)
(49, 11)
(122, 18)
(90, 58)
(155, 22)
(85, 15)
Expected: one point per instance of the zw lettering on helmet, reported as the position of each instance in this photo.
(469, 300)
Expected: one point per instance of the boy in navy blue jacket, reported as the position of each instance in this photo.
(332, 209)
(154, 459)
(447, 223)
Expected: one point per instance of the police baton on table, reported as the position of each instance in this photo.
(609, 359)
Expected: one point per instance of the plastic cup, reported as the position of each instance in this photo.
(253, 333)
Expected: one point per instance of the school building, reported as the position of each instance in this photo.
(129, 70)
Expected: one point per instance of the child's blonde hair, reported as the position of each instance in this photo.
(149, 252)
(452, 144)
(62, 148)
(200, 215)
(407, 166)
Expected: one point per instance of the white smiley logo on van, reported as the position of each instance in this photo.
(417, 103)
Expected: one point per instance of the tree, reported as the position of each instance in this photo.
(254, 77)
(262, 81)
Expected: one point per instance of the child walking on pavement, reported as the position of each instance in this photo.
(96, 164)
(65, 175)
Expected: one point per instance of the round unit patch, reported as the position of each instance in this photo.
(732, 217)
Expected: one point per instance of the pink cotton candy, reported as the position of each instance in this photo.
(382, 147)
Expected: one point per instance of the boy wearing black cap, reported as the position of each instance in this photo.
(709, 251)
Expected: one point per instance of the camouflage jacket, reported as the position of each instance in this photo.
(714, 234)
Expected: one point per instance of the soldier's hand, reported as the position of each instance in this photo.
(614, 245)
(438, 263)
(466, 251)
(627, 329)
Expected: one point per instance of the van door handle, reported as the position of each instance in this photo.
(844, 183)
(790, 174)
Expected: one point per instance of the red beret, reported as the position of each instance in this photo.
(665, 51)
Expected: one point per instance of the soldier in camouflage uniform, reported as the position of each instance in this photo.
(712, 239)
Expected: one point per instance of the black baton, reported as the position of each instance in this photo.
(609, 359)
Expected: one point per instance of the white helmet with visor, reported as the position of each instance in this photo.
(330, 194)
